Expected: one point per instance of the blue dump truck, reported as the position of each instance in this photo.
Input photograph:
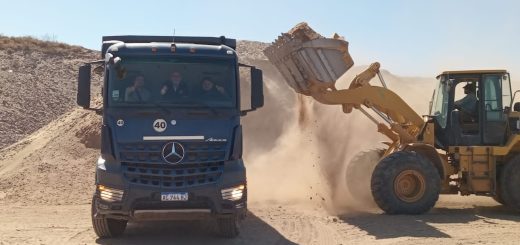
(171, 138)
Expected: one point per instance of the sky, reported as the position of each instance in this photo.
(412, 38)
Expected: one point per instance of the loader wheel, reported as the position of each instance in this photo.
(105, 227)
(405, 183)
(498, 192)
(359, 173)
(510, 183)
(498, 198)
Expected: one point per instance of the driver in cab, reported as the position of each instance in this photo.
(174, 87)
(468, 104)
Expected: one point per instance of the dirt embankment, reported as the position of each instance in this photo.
(38, 84)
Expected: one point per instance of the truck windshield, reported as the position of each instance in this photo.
(440, 104)
(172, 82)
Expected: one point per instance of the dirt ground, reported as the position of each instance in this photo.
(37, 208)
(455, 220)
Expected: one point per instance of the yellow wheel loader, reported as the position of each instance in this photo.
(464, 146)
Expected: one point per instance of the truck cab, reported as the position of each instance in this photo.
(171, 138)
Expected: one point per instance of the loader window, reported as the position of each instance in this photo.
(440, 105)
(492, 97)
(494, 103)
(506, 90)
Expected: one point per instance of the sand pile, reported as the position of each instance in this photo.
(38, 84)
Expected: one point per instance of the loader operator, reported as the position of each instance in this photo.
(468, 104)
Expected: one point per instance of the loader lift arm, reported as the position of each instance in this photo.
(402, 124)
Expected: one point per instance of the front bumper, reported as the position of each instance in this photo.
(140, 202)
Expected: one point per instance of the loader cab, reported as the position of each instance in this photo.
(470, 108)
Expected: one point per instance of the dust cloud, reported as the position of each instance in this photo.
(307, 158)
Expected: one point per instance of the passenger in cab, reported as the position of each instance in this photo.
(210, 90)
(137, 92)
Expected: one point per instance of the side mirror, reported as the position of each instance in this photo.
(257, 88)
(83, 95)
(516, 107)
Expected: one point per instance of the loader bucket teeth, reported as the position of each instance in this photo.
(305, 58)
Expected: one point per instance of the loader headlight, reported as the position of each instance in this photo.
(110, 194)
(234, 193)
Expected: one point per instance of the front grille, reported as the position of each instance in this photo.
(173, 176)
(195, 152)
(203, 163)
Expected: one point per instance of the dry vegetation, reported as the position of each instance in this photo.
(12, 45)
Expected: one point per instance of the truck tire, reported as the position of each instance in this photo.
(405, 182)
(229, 227)
(358, 174)
(510, 183)
(105, 227)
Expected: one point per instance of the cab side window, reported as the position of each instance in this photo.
(492, 98)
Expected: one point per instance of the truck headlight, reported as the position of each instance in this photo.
(110, 194)
(234, 193)
(101, 163)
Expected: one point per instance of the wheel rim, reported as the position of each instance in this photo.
(409, 186)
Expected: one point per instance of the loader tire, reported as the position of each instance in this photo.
(498, 192)
(359, 173)
(105, 227)
(498, 198)
(405, 182)
(510, 183)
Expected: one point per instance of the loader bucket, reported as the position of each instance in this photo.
(305, 58)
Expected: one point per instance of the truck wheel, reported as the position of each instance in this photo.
(405, 183)
(105, 227)
(229, 227)
(359, 173)
(510, 183)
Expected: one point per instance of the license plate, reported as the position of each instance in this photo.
(174, 196)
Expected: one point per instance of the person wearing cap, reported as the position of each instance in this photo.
(468, 104)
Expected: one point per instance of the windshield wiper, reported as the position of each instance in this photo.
(164, 108)
(187, 104)
(195, 104)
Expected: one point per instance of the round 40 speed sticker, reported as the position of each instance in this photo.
(159, 125)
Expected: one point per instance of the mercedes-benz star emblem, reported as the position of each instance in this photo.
(173, 152)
